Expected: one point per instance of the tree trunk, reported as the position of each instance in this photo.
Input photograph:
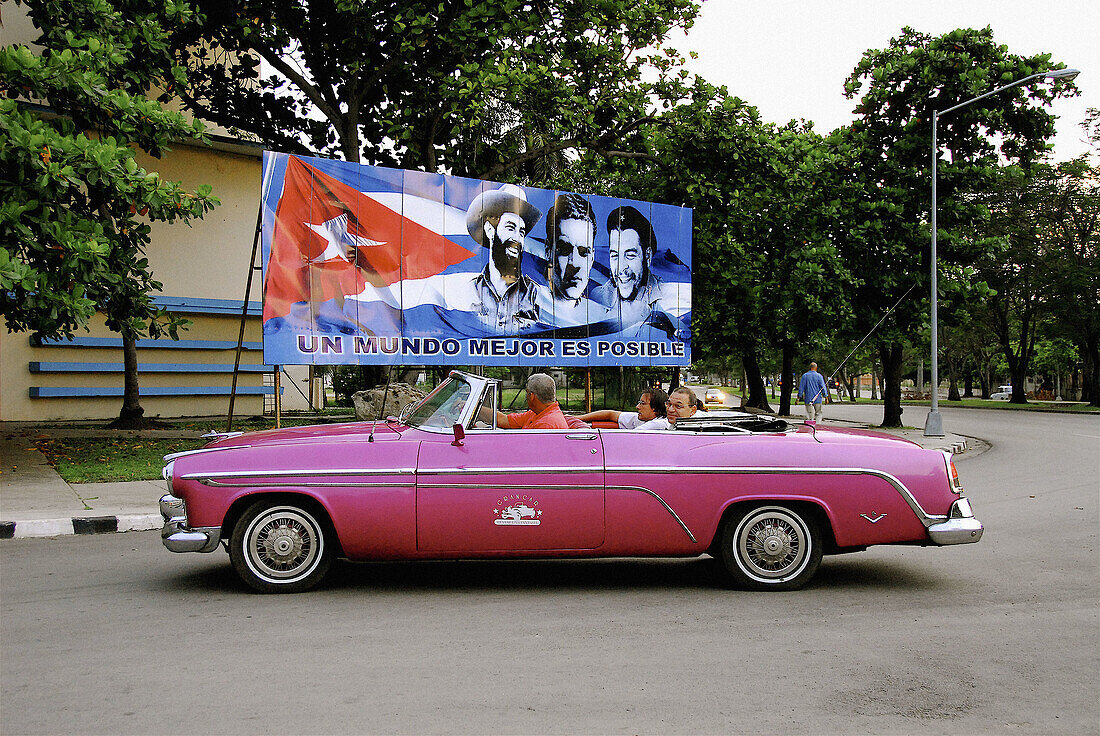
(874, 381)
(968, 385)
(758, 397)
(847, 380)
(1074, 386)
(785, 389)
(1017, 370)
(952, 377)
(891, 356)
(1090, 376)
(132, 415)
(372, 376)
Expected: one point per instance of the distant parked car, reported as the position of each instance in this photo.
(1003, 393)
(714, 397)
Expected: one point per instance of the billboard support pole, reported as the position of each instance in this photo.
(278, 399)
(588, 389)
(244, 315)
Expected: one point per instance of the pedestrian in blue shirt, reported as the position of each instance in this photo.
(812, 392)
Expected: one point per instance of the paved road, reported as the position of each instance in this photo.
(112, 634)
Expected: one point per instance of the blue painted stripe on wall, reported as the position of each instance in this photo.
(60, 367)
(194, 305)
(63, 392)
(116, 342)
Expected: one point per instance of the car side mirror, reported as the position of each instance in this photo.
(460, 434)
(406, 412)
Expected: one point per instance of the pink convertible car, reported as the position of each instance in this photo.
(766, 499)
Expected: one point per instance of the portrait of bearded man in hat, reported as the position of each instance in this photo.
(499, 219)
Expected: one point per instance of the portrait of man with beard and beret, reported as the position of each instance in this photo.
(505, 299)
(633, 290)
(635, 296)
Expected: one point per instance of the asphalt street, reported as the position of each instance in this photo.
(111, 633)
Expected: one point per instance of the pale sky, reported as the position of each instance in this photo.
(790, 58)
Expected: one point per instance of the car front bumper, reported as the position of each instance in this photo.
(177, 536)
(960, 528)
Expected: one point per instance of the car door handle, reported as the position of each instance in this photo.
(585, 436)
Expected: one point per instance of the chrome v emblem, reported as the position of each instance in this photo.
(878, 518)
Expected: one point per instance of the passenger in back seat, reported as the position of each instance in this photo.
(650, 414)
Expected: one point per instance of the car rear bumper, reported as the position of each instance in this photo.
(177, 536)
(960, 528)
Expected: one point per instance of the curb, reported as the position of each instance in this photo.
(956, 448)
(80, 525)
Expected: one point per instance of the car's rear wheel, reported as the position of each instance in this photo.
(771, 548)
(279, 547)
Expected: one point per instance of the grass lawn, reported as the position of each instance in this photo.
(573, 403)
(1062, 406)
(105, 459)
(1043, 406)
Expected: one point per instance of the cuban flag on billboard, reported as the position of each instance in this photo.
(370, 265)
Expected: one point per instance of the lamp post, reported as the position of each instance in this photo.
(933, 423)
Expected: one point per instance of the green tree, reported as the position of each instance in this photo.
(889, 143)
(496, 89)
(1045, 270)
(74, 203)
(1068, 221)
(475, 88)
(764, 268)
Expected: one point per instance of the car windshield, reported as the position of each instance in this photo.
(442, 407)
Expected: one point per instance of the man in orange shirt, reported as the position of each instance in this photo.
(543, 410)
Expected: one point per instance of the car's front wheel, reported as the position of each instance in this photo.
(280, 548)
(771, 548)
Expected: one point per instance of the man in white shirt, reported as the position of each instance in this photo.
(650, 414)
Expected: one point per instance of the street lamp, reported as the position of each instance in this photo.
(933, 424)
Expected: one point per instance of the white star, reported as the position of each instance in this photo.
(339, 240)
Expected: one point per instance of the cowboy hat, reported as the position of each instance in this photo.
(494, 203)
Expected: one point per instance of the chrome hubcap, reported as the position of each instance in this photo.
(283, 544)
(771, 545)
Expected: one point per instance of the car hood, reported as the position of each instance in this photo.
(351, 431)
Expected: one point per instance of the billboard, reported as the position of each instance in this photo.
(369, 265)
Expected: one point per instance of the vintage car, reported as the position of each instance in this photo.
(714, 397)
(765, 498)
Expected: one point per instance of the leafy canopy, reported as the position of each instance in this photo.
(478, 87)
(74, 203)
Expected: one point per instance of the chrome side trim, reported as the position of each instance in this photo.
(173, 455)
(298, 473)
(298, 484)
(264, 478)
(571, 470)
(513, 486)
(565, 487)
(925, 518)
